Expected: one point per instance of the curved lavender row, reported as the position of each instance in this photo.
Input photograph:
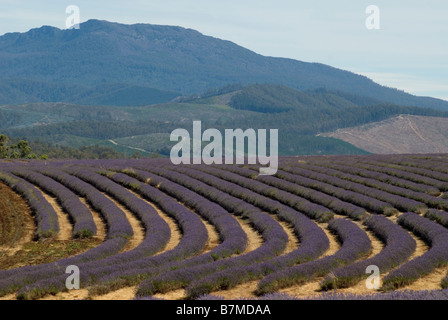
(313, 243)
(441, 217)
(408, 194)
(253, 189)
(83, 224)
(430, 164)
(238, 205)
(230, 232)
(45, 216)
(194, 238)
(371, 173)
(440, 158)
(397, 201)
(157, 231)
(280, 271)
(50, 278)
(273, 245)
(118, 232)
(416, 175)
(313, 239)
(399, 246)
(156, 237)
(330, 202)
(436, 256)
(14, 279)
(349, 196)
(274, 237)
(193, 231)
(116, 221)
(355, 244)
(285, 213)
(425, 175)
(233, 239)
(117, 224)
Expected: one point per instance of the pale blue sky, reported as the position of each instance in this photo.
(409, 52)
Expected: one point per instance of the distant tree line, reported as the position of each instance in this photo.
(19, 150)
(85, 152)
(23, 149)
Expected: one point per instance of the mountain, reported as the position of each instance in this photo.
(166, 58)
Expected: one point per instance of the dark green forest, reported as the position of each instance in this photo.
(315, 111)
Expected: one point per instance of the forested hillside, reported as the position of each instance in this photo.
(51, 65)
(299, 116)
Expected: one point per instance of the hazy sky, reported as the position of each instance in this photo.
(409, 52)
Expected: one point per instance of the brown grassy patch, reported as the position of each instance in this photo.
(16, 222)
(48, 250)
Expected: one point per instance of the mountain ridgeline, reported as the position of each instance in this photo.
(105, 63)
(109, 89)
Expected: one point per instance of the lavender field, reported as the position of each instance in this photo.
(160, 231)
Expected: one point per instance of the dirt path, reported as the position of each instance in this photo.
(213, 237)
(81, 294)
(244, 290)
(421, 248)
(65, 227)
(377, 244)
(176, 234)
(101, 228)
(172, 295)
(293, 241)
(8, 297)
(430, 282)
(313, 288)
(360, 287)
(334, 243)
(306, 290)
(137, 227)
(127, 293)
(254, 239)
